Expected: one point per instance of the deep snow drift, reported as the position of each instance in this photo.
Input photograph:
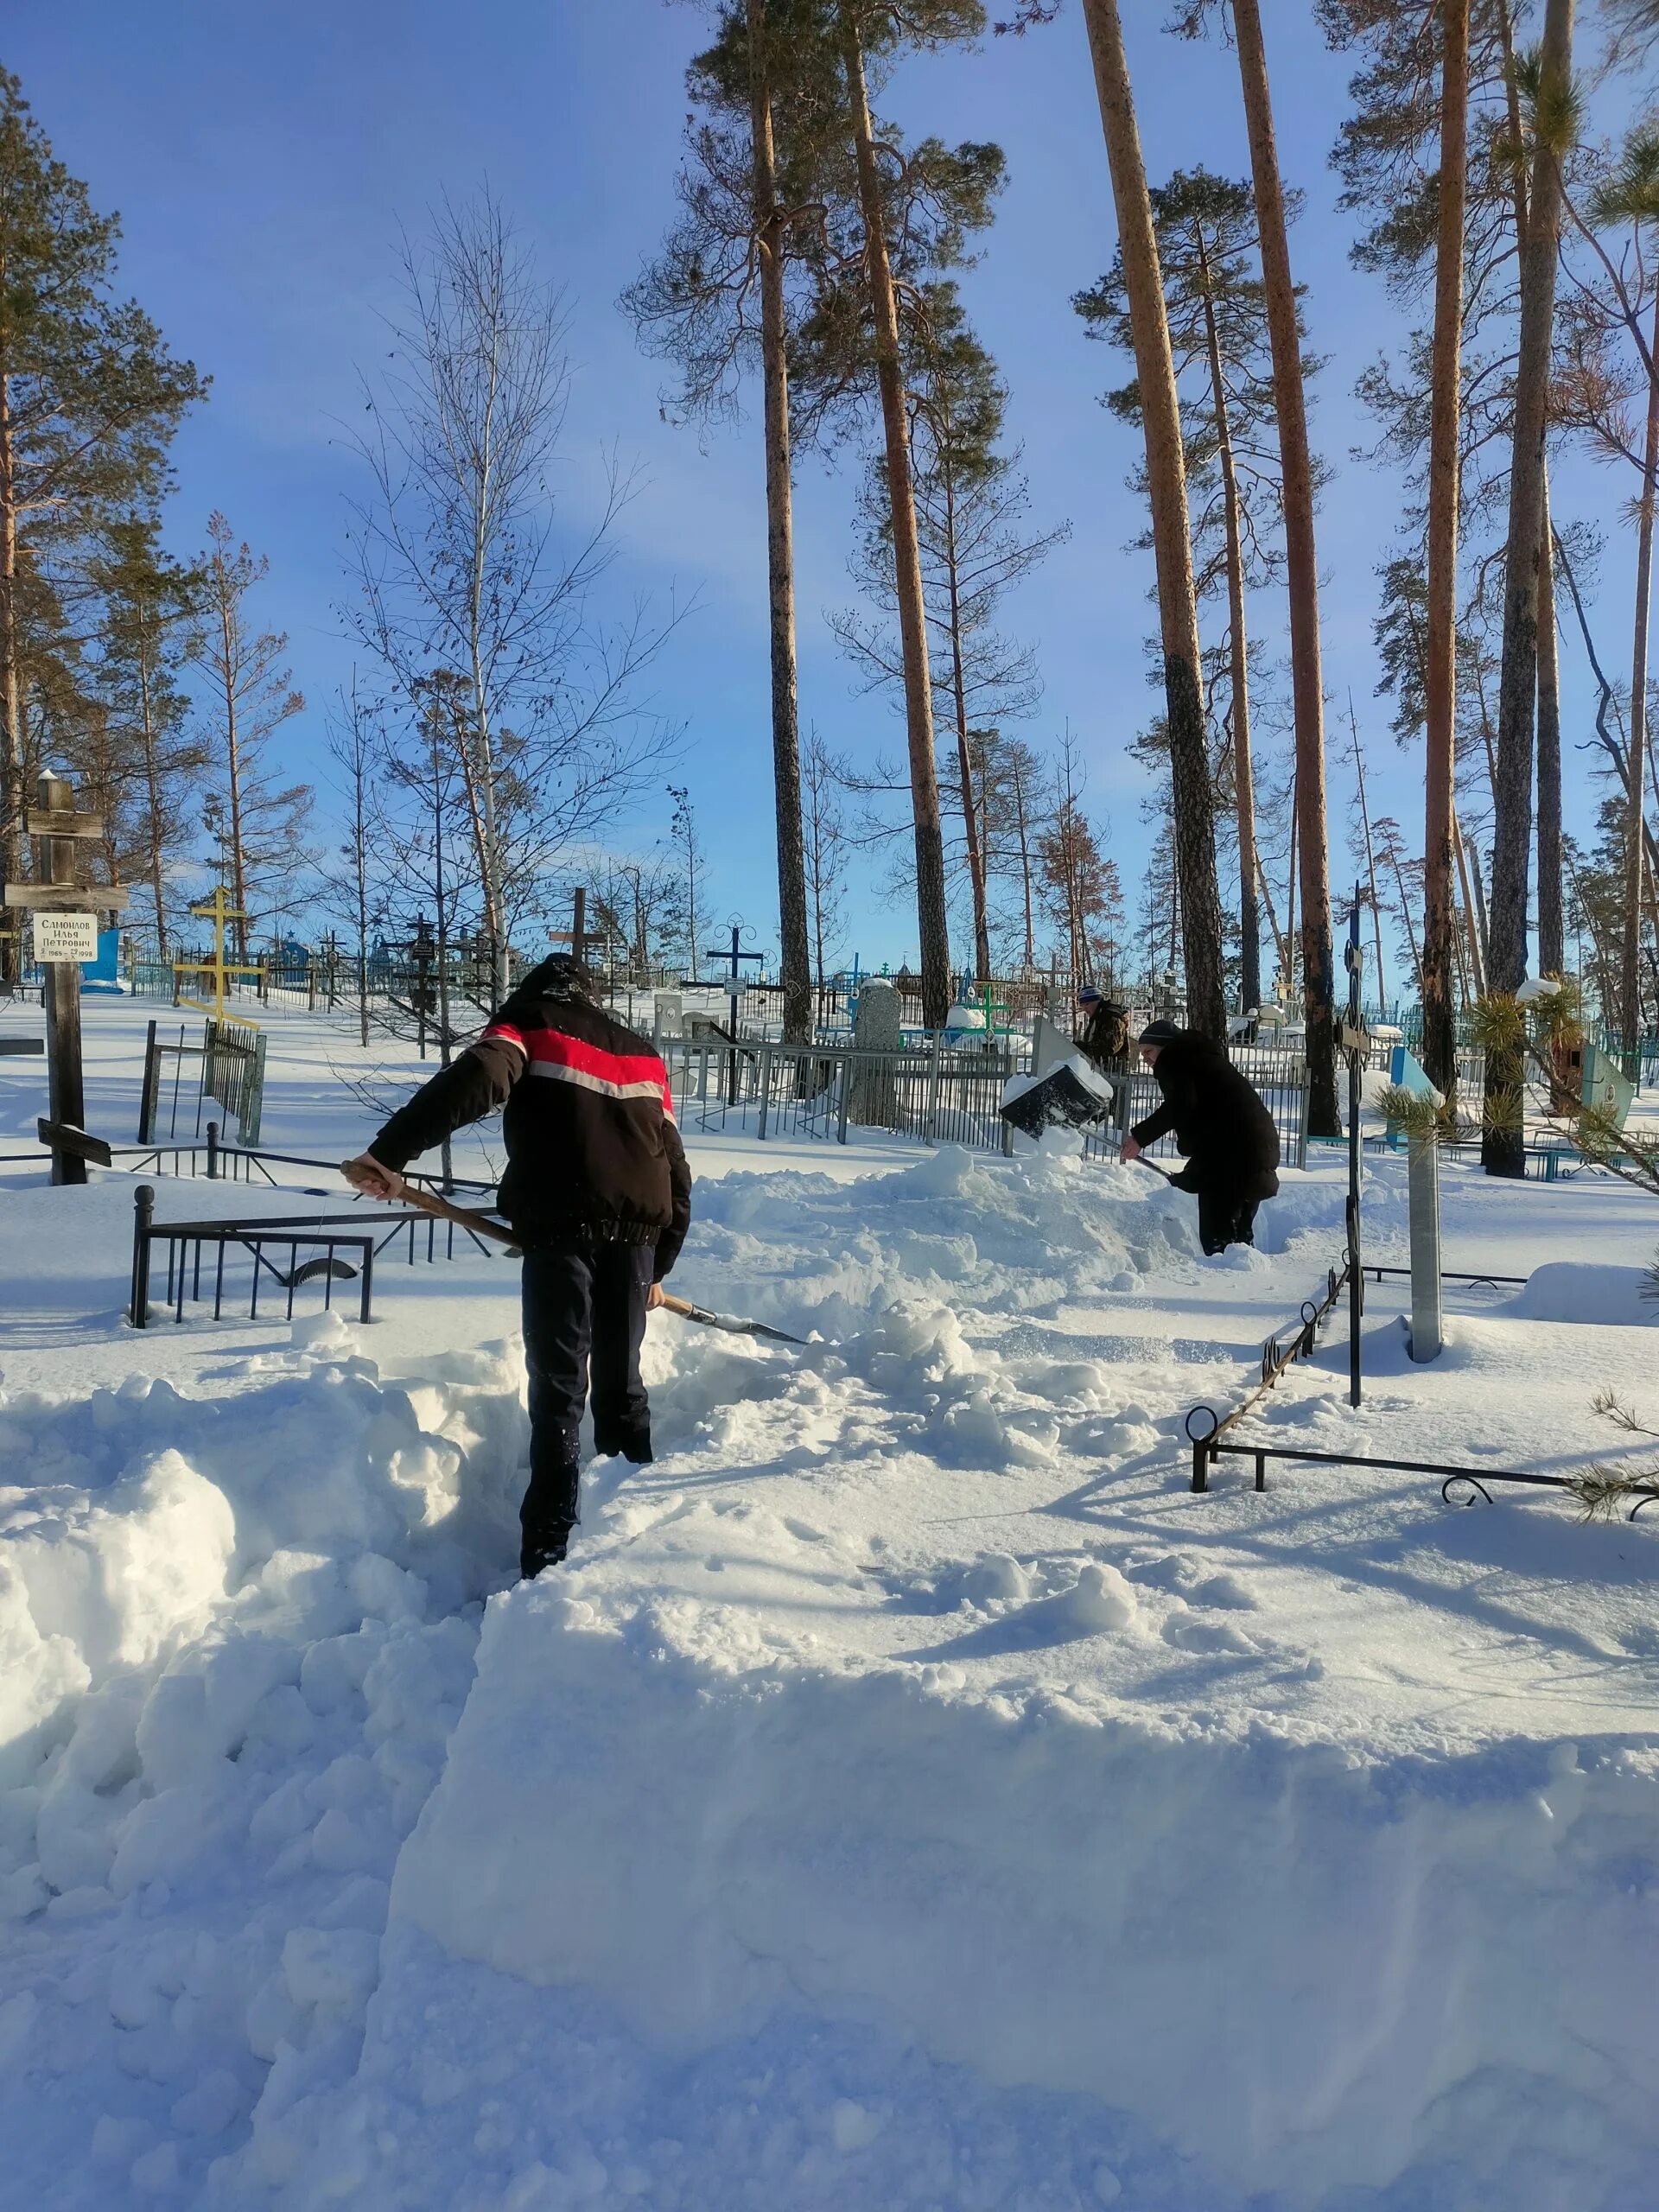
(909, 1796)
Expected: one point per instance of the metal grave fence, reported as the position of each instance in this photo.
(215, 1250)
(232, 1056)
(1282, 1088)
(233, 1073)
(935, 1094)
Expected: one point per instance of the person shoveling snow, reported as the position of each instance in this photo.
(1220, 1124)
(598, 1196)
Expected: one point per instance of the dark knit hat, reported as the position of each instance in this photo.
(1159, 1032)
(561, 975)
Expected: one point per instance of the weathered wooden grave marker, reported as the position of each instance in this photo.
(64, 914)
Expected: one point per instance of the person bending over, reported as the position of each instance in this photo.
(1220, 1124)
(598, 1195)
(1102, 1031)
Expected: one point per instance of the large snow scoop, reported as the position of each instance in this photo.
(1068, 1096)
(470, 1218)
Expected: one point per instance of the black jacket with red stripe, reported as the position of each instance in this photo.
(593, 1150)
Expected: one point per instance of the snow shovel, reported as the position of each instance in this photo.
(467, 1217)
(732, 1326)
(1163, 1174)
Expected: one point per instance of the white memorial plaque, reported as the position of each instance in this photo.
(65, 936)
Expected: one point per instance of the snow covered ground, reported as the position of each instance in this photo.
(909, 1796)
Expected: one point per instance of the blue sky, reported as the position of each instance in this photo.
(263, 159)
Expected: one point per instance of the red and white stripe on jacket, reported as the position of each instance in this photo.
(571, 1059)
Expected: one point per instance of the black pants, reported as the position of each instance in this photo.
(584, 1318)
(1224, 1218)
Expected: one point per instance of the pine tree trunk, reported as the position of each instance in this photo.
(1552, 927)
(1440, 1039)
(970, 820)
(1400, 893)
(1370, 863)
(153, 788)
(770, 235)
(1482, 923)
(1630, 978)
(1194, 817)
(1266, 890)
(1504, 1142)
(1302, 569)
(12, 704)
(1472, 917)
(1290, 901)
(1025, 866)
(931, 924)
(1249, 917)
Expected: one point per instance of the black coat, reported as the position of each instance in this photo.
(592, 1148)
(1220, 1124)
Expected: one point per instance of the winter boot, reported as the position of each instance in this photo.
(628, 1444)
(542, 1547)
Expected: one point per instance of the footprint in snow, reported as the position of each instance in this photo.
(1099, 1603)
(1190, 1635)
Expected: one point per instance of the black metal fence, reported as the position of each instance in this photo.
(233, 1075)
(1279, 1080)
(251, 1249)
(932, 1096)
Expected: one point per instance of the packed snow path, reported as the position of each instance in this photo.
(909, 1794)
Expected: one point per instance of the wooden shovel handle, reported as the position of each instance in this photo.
(428, 1202)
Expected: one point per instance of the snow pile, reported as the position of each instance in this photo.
(1581, 1291)
(707, 1837)
(964, 1228)
(909, 1796)
(236, 1633)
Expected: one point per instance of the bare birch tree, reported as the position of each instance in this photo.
(253, 819)
(465, 570)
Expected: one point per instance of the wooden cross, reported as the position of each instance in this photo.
(576, 936)
(53, 890)
(216, 970)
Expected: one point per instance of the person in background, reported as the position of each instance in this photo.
(1104, 1030)
(1220, 1124)
(598, 1195)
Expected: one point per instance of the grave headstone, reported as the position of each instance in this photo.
(877, 1028)
(1607, 1090)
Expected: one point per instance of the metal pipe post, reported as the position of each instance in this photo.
(1424, 1172)
(1355, 1274)
(144, 1213)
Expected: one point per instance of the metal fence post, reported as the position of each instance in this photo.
(213, 1152)
(1301, 1125)
(1424, 1174)
(930, 1120)
(150, 1097)
(766, 1087)
(143, 1212)
(842, 1101)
